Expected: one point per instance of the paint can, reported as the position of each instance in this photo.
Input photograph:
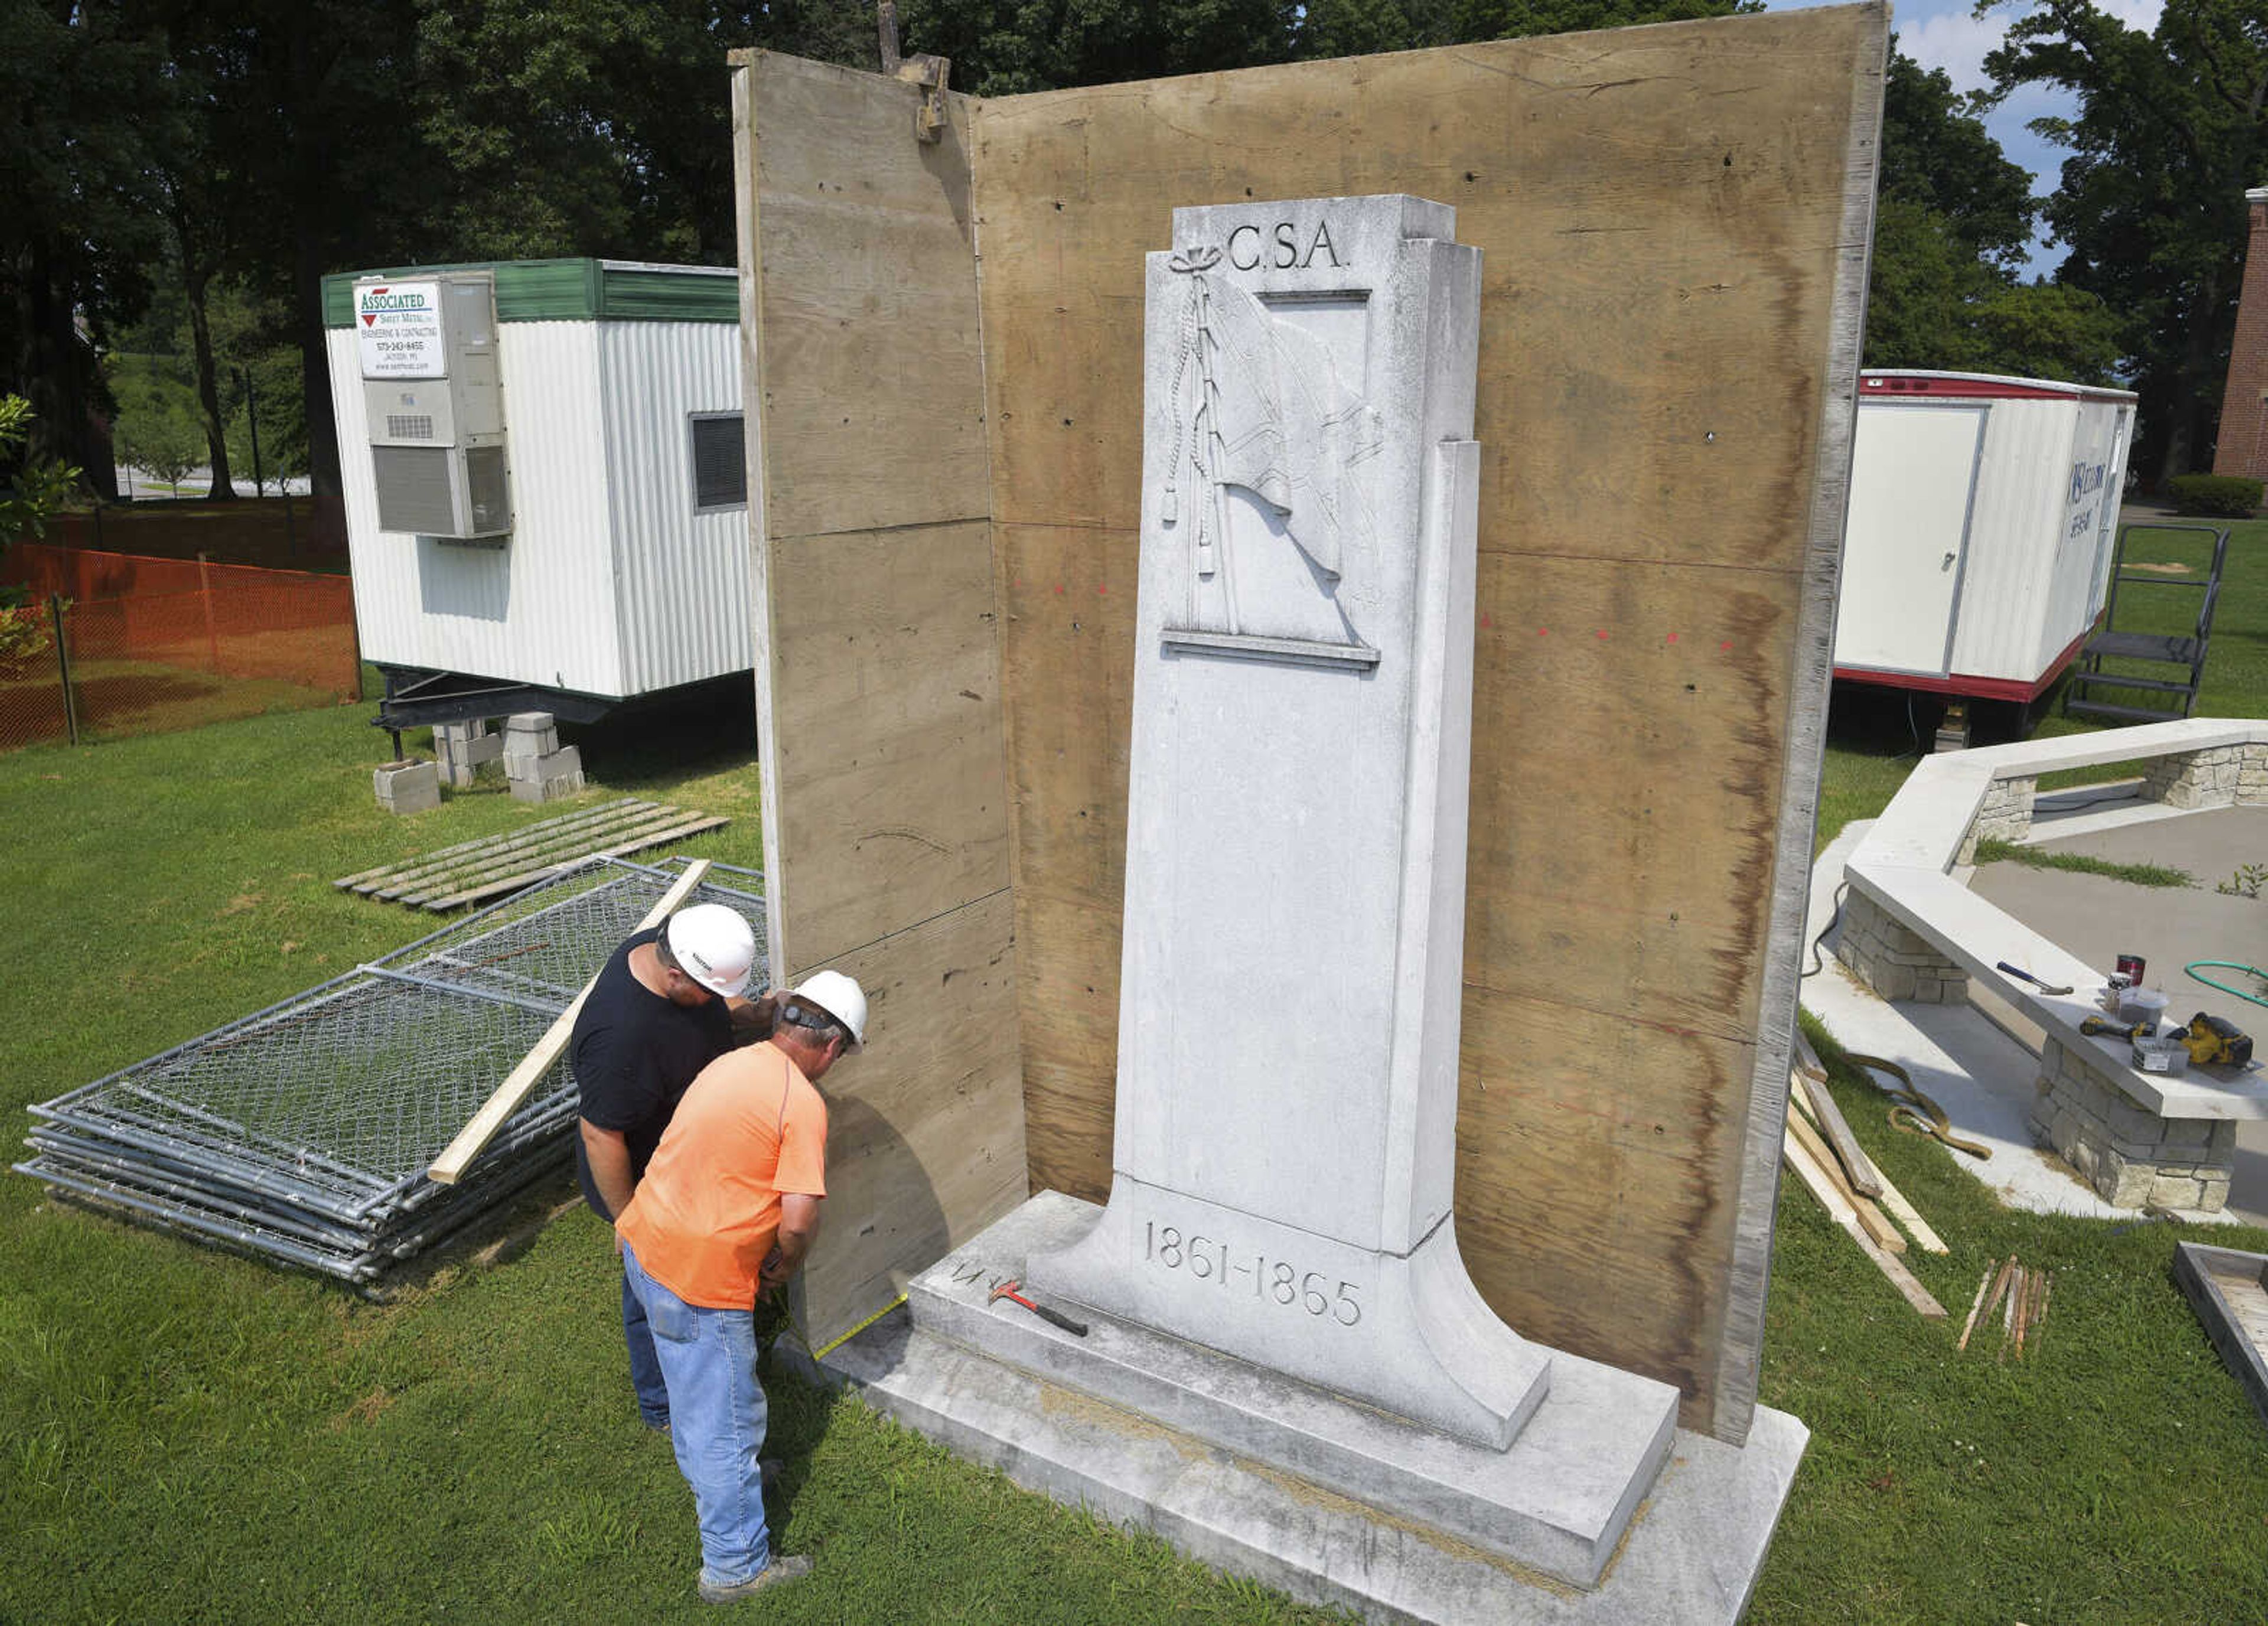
(2131, 967)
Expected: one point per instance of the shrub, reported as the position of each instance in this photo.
(2216, 496)
(23, 634)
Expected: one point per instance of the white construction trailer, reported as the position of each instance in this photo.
(1982, 521)
(545, 481)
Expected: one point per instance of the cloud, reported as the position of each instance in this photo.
(1955, 42)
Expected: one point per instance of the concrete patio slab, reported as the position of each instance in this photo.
(1969, 1064)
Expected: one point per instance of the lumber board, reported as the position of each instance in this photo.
(1892, 1200)
(1821, 1186)
(879, 707)
(471, 870)
(1869, 1215)
(505, 1100)
(1673, 222)
(519, 850)
(543, 854)
(652, 837)
(362, 880)
(354, 880)
(1858, 1167)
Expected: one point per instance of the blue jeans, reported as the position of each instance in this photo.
(645, 1366)
(718, 1416)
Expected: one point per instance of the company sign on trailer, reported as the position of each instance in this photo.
(398, 329)
(1983, 520)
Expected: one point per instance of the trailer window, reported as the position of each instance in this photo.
(720, 470)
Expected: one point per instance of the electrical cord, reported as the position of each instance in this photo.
(1818, 963)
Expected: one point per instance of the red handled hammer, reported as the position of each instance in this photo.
(1007, 1289)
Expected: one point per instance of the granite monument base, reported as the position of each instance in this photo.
(1601, 1510)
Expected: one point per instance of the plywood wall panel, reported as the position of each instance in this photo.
(889, 731)
(1673, 222)
(925, 1139)
(879, 695)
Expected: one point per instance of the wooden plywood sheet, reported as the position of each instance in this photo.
(924, 1135)
(893, 803)
(885, 817)
(867, 330)
(1673, 222)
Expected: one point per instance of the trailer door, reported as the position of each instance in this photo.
(1913, 483)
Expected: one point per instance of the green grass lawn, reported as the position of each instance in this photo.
(186, 1436)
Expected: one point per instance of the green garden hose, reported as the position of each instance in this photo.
(2259, 978)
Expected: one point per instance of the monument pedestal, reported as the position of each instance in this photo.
(1601, 1510)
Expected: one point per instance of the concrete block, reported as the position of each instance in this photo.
(528, 737)
(550, 778)
(409, 786)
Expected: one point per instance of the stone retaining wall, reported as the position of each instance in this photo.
(2216, 776)
(2131, 1156)
(2004, 814)
(1892, 960)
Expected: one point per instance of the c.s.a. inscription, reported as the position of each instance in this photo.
(1287, 247)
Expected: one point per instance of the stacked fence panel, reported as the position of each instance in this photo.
(301, 1134)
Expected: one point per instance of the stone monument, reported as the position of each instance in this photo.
(1274, 1291)
(1295, 864)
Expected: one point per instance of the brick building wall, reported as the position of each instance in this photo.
(2242, 447)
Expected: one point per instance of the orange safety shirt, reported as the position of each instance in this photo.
(751, 1127)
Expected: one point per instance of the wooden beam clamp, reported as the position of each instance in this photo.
(928, 72)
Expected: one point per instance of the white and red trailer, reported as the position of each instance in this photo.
(1983, 522)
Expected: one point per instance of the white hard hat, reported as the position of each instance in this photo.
(841, 997)
(714, 947)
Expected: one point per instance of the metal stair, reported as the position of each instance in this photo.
(2186, 651)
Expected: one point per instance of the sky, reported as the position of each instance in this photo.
(1948, 34)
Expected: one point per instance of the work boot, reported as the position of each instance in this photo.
(777, 1573)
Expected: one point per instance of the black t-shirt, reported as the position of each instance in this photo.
(634, 1053)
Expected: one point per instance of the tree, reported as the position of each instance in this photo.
(78, 224)
(1952, 226)
(2166, 138)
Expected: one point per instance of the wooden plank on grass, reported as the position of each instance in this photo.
(1872, 1218)
(644, 837)
(471, 870)
(474, 1136)
(1837, 1130)
(534, 840)
(360, 876)
(1821, 1186)
(535, 837)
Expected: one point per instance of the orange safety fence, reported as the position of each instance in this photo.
(151, 646)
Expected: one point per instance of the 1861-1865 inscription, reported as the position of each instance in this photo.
(1278, 1281)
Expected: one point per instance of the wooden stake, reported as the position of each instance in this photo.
(1991, 1302)
(471, 1140)
(1976, 1305)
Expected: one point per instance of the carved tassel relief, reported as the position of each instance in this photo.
(1265, 488)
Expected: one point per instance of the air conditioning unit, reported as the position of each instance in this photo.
(435, 401)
